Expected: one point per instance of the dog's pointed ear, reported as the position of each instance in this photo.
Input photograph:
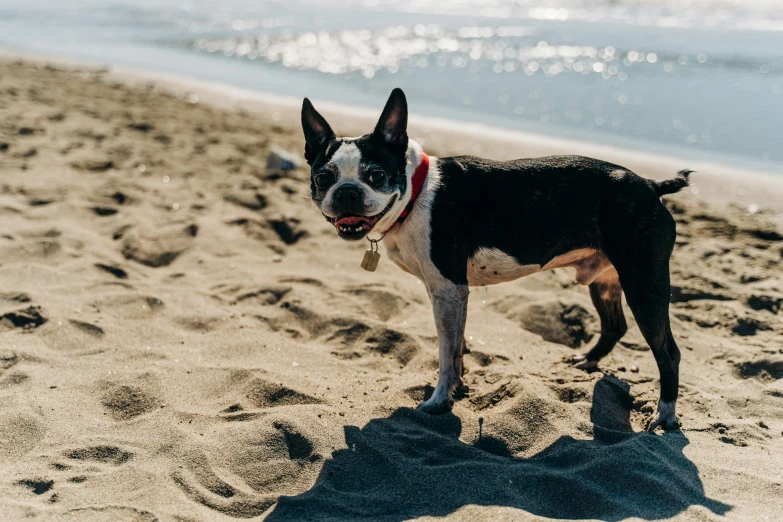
(392, 127)
(317, 131)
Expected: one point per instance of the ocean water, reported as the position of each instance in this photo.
(698, 79)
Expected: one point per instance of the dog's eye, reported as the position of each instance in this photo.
(321, 179)
(377, 176)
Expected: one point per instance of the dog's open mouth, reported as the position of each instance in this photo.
(356, 227)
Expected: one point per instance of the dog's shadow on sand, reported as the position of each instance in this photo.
(411, 464)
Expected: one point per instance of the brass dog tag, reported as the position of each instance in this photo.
(371, 257)
(370, 261)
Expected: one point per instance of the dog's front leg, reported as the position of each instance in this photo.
(450, 305)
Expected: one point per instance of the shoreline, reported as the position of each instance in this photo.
(714, 183)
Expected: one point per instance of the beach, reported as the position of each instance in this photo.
(184, 337)
(696, 79)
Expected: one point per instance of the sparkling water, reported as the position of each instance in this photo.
(699, 79)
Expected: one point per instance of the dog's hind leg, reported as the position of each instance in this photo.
(606, 293)
(648, 295)
(640, 243)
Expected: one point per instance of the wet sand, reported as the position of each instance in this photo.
(183, 337)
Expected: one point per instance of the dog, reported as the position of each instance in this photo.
(464, 221)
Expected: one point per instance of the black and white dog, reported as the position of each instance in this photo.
(466, 221)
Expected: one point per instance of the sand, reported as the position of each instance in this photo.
(183, 337)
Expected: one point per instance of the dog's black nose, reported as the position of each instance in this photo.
(347, 194)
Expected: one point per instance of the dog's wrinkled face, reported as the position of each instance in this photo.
(357, 181)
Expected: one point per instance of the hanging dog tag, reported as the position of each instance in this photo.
(370, 261)
(371, 257)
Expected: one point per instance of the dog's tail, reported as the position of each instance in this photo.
(670, 186)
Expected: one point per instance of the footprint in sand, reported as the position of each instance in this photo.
(26, 249)
(555, 320)
(265, 394)
(295, 320)
(84, 462)
(355, 340)
(126, 402)
(274, 230)
(107, 202)
(25, 319)
(247, 197)
(72, 336)
(572, 392)
(37, 486)
(46, 246)
(769, 302)
(711, 225)
(252, 296)
(202, 324)
(264, 296)
(15, 297)
(93, 164)
(240, 395)
(260, 393)
(104, 454)
(266, 459)
(157, 248)
(20, 433)
(749, 324)
(289, 230)
(522, 420)
(379, 303)
(741, 435)
(352, 338)
(131, 306)
(764, 370)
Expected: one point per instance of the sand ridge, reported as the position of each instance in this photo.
(185, 338)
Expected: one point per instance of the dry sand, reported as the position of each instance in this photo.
(183, 337)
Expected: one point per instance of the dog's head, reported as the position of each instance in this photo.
(359, 183)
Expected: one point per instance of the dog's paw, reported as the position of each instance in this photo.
(583, 363)
(435, 407)
(667, 418)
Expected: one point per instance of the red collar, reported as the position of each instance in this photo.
(417, 183)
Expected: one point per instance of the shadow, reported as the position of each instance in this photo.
(411, 464)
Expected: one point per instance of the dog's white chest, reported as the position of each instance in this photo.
(490, 266)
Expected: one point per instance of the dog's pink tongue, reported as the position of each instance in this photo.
(352, 221)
